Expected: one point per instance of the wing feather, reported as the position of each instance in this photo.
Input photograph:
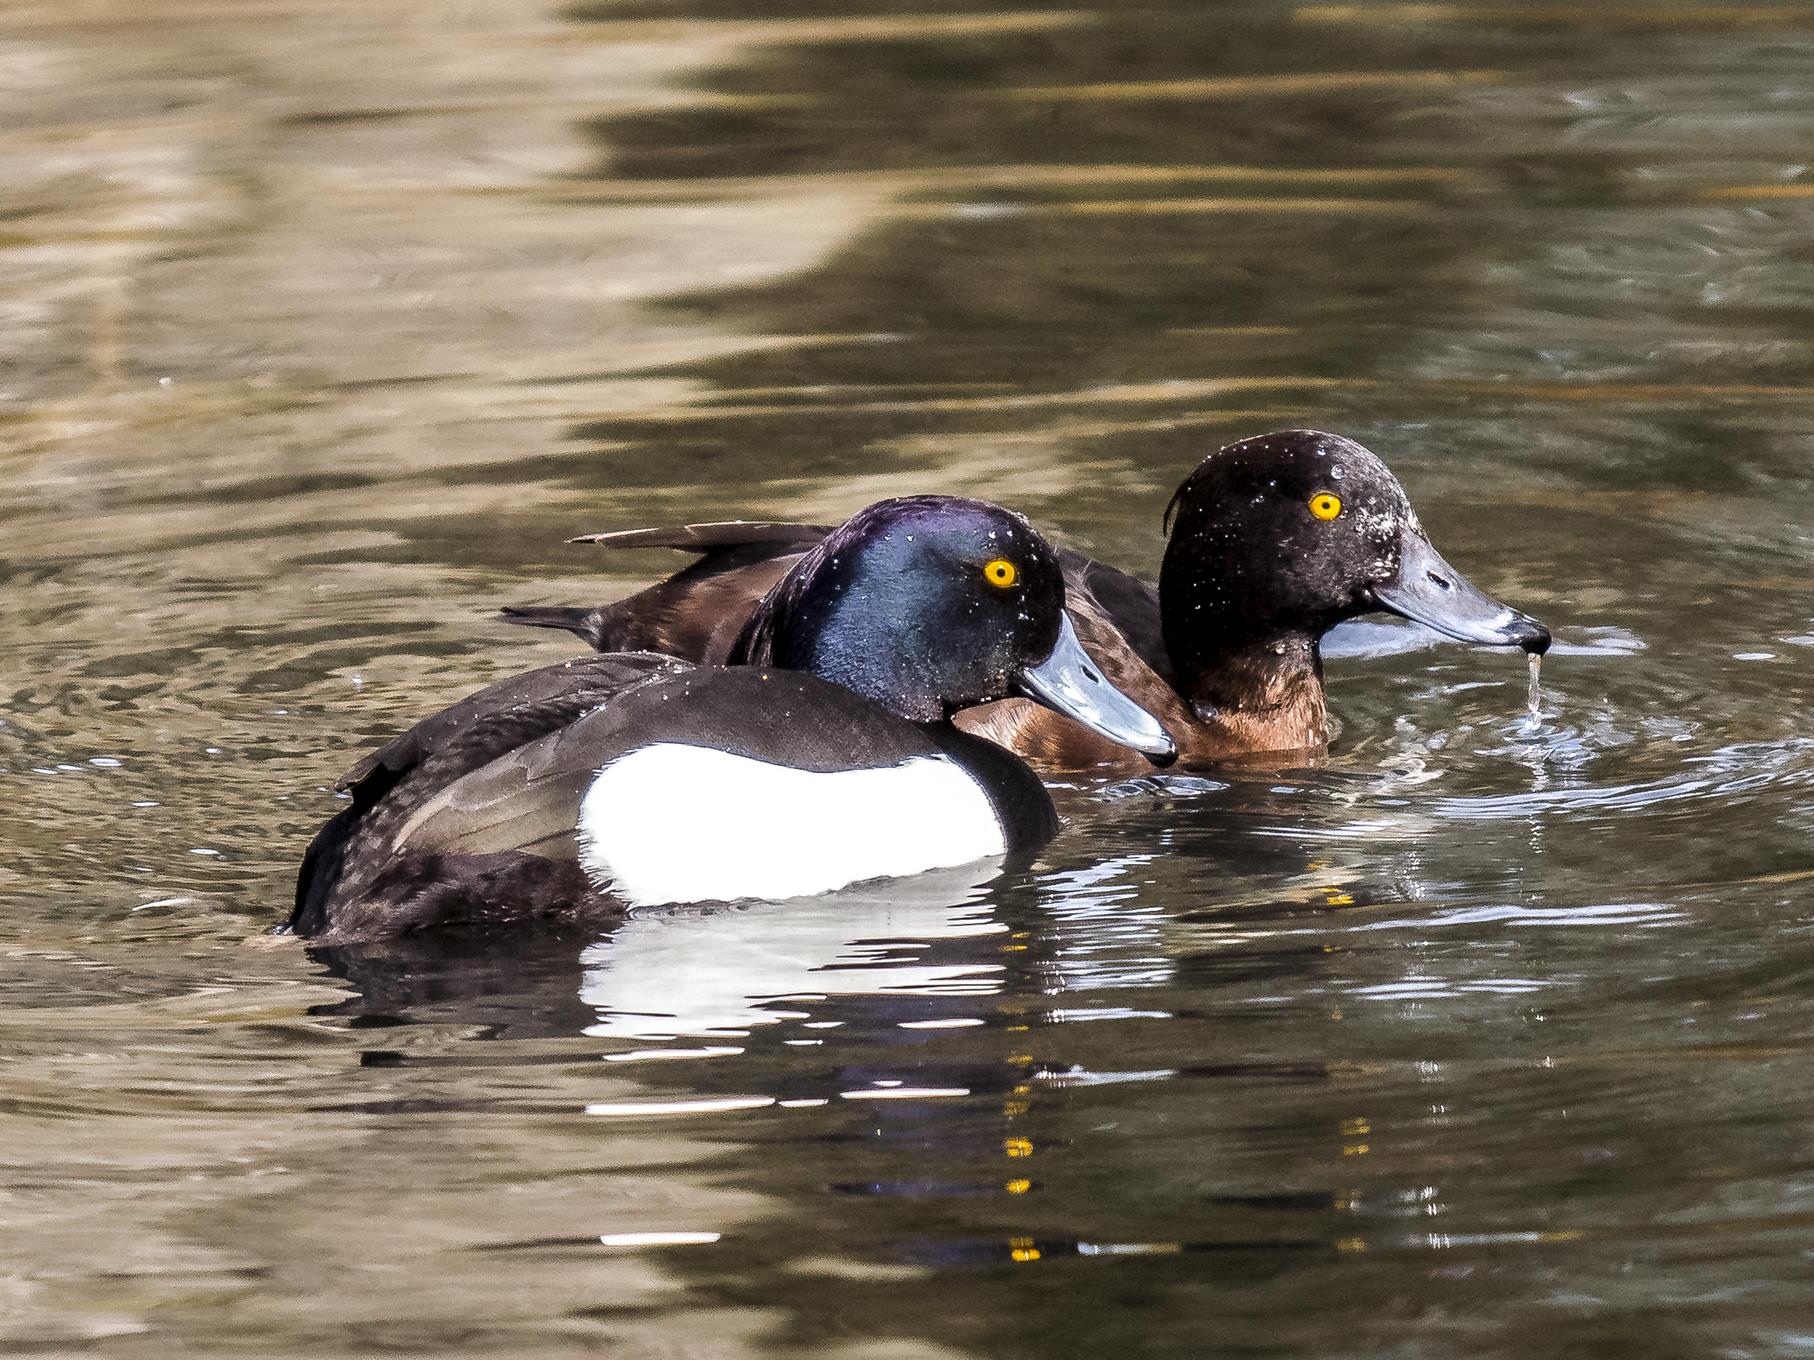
(709, 538)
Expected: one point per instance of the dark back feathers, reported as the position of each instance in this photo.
(391, 786)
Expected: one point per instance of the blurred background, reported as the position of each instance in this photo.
(323, 324)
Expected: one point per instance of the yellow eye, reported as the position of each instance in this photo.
(1325, 505)
(1001, 573)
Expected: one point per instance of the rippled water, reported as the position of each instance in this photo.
(322, 326)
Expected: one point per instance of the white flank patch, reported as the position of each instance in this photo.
(675, 823)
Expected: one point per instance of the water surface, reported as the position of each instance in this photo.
(323, 326)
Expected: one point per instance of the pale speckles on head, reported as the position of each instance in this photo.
(1253, 558)
(1375, 521)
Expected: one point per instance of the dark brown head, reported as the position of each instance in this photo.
(1285, 535)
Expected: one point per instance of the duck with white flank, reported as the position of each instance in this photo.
(821, 756)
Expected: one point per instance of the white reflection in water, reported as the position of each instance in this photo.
(1105, 934)
(721, 971)
(638, 1109)
(1599, 914)
(1422, 989)
(1720, 775)
(1081, 1076)
(676, 1054)
(659, 1239)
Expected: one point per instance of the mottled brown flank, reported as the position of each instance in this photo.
(1268, 707)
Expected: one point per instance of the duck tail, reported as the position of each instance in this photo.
(319, 880)
(320, 873)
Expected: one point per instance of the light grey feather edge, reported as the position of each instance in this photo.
(476, 811)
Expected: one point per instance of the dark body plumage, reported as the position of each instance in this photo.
(1223, 651)
(469, 819)
(387, 865)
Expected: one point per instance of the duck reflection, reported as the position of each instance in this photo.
(944, 1069)
(723, 970)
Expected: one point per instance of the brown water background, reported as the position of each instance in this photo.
(324, 322)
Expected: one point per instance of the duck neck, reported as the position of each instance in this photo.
(1255, 674)
(1263, 692)
(1022, 805)
(1243, 654)
(822, 618)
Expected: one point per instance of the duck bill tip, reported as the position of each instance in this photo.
(1427, 590)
